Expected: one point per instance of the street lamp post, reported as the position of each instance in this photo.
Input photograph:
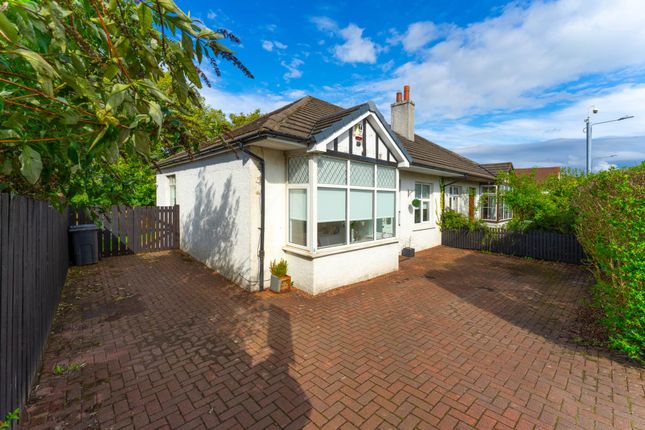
(589, 127)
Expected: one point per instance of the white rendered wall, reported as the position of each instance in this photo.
(424, 235)
(219, 213)
(323, 273)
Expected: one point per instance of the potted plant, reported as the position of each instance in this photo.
(280, 281)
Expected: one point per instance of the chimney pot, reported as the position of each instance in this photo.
(398, 96)
(406, 93)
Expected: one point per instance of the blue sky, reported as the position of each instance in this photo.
(493, 80)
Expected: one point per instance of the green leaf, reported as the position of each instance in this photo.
(155, 113)
(99, 136)
(39, 64)
(71, 117)
(145, 17)
(30, 164)
(7, 28)
(141, 142)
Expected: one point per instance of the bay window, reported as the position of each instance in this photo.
(354, 202)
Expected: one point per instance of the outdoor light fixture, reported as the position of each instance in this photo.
(588, 129)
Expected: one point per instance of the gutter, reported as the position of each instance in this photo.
(262, 211)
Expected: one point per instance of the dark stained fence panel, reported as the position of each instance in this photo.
(127, 230)
(33, 265)
(542, 245)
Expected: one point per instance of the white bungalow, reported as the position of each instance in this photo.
(328, 189)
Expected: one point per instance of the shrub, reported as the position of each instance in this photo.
(279, 268)
(542, 206)
(452, 220)
(610, 225)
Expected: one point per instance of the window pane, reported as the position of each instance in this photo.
(331, 233)
(331, 217)
(361, 226)
(425, 208)
(385, 204)
(417, 215)
(331, 205)
(298, 170)
(386, 177)
(332, 171)
(360, 204)
(298, 217)
(417, 191)
(385, 208)
(362, 174)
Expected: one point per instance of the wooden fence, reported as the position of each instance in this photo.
(33, 266)
(543, 245)
(127, 230)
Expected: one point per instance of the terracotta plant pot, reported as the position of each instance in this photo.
(280, 284)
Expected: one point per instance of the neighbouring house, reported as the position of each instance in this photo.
(493, 209)
(327, 188)
(539, 173)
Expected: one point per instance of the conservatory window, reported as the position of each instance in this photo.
(331, 216)
(298, 216)
(422, 193)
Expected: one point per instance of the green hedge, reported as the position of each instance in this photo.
(610, 225)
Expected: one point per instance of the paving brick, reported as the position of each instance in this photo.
(455, 339)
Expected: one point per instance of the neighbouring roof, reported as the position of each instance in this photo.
(428, 154)
(312, 120)
(541, 173)
(495, 168)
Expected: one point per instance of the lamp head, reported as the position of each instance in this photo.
(594, 109)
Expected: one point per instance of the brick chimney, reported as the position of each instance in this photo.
(403, 114)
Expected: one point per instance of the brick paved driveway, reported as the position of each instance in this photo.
(454, 339)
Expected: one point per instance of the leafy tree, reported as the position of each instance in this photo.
(240, 119)
(542, 206)
(80, 88)
(131, 180)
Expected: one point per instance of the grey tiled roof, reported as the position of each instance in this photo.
(494, 168)
(310, 119)
(428, 154)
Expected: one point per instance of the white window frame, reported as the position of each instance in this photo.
(484, 194)
(312, 195)
(456, 197)
(421, 200)
(172, 186)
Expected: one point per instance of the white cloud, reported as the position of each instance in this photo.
(417, 36)
(211, 14)
(512, 60)
(295, 94)
(268, 45)
(555, 138)
(355, 48)
(293, 69)
(230, 102)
